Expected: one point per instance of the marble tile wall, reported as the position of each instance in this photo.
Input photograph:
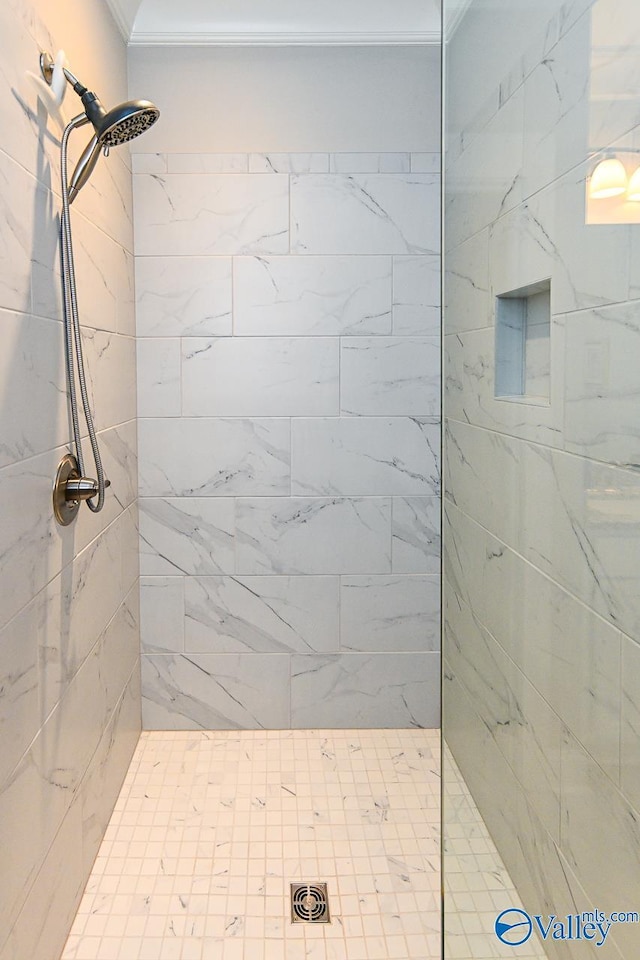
(69, 622)
(289, 439)
(542, 619)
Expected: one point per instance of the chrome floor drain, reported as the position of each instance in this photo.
(309, 903)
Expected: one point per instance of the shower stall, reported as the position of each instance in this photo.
(221, 686)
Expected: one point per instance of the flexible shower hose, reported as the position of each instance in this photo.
(72, 334)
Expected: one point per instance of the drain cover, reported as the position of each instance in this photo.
(309, 903)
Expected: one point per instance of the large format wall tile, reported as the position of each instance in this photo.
(305, 536)
(185, 215)
(253, 377)
(186, 535)
(373, 456)
(390, 613)
(186, 457)
(183, 296)
(415, 528)
(376, 690)
(216, 692)
(321, 296)
(397, 376)
(261, 614)
(365, 214)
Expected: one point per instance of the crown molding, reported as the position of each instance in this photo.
(122, 16)
(339, 39)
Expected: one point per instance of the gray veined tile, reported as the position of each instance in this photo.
(365, 213)
(186, 215)
(416, 296)
(158, 381)
(390, 614)
(358, 456)
(288, 163)
(313, 535)
(183, 296)
(417, 542)
(210, 457)
(186, 536)
(305, 296)
(260, 376)
(216, 692)
(162, 614)
(262, 614)
(390, 376)
(365, 690)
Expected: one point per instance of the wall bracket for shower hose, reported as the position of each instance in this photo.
(70, 489)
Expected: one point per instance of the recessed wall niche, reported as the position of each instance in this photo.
(523, 354)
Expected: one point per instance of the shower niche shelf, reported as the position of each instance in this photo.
(523, 344)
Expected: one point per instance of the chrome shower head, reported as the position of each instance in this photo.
(112, 128)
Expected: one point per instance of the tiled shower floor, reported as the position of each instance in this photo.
(210, 829)
(476, 882)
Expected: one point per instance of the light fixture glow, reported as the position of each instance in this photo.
(609, 179)
(633, 193)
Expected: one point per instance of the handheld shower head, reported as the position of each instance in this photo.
(112, 128)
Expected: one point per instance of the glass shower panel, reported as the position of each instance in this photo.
(541, 672)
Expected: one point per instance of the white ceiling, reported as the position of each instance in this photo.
(227, 22)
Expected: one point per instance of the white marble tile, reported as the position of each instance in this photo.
(262, 614)
(416, 541)
(600, 836)
(364, 456)
(19, 691)
(207, 163)
(215, 692)
(214, 457)
(49, 909)
(601, 404)
(162, 614)
(572, 518)
(322, 296)
(556, 112)
(525, 729)
(469, 305)
(110, 366)
(560, 645)
(149, 162)
(486, 180)
(183, 296)
(186, 215)
(372, 690)
(186, 536)
(371, 163)
(288, 163)
(392, 376)
(159, 380)
(365, 213)
(426, 162)
(630, 727)
(389, 614)
(110, 763)
(19, 193)
(260, 376)
(33, 414)
(416, 296)
(313, 536)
